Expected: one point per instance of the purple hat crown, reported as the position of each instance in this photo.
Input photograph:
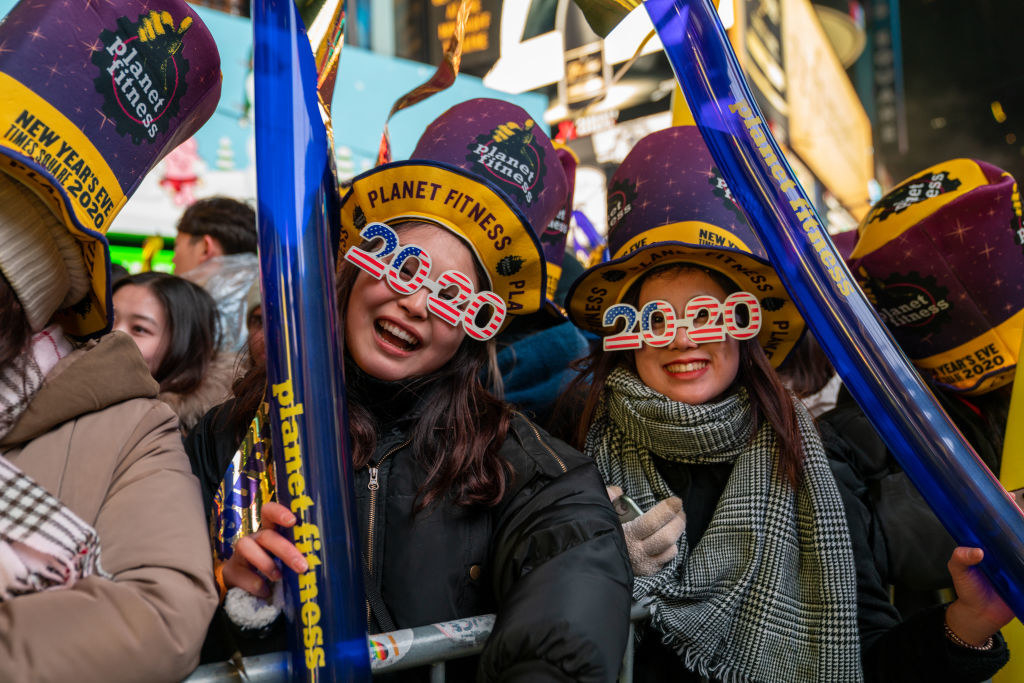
(142, 73)
(555, 235)
(92, 96)
(500, 144)
(942, 278)
(670, 177)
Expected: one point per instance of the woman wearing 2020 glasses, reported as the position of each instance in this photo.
(758, 563)
(465, 507)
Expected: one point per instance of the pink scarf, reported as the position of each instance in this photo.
(23, 376)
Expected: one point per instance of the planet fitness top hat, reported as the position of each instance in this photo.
(940, 257)
(92, 96)
(485, 171)
(667, 203)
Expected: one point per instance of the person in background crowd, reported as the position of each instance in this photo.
(954, 309)
(216, 436)
(216, 248)
(117, 271)
(174, 323)
(756, 561)
(465, 507)
(808, 373)
(255, 348)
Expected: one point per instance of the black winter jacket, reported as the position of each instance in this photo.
(915, 546)
(549, 559)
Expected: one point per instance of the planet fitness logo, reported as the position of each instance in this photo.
(620, 201)
(555, 234)
(917, 190)
(553, 238)
(142, 74)
(511, 155)
(613, 275)
(510, 265)
(907, 300)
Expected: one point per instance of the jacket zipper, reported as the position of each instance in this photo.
(373, 485)
(547, 447)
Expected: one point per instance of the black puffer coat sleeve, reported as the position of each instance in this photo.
(913, 650)
(561, 573)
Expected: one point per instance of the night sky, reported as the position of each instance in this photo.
(958, 57)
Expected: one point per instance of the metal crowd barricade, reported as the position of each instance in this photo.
(430, 645)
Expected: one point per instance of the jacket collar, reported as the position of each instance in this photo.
(214, 388)
(94, 377)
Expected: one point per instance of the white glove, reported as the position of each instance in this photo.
(651, 537)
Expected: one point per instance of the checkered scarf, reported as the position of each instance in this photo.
(43, 544)
(769, 593)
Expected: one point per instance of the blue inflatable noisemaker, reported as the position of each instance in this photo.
(297, 202)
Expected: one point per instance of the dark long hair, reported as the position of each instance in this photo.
(456, 437)
(14, 328)
(769, 398)
(192, 329)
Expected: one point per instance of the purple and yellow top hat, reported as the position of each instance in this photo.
(940, 257)
(484, 170)
(92, 96)
(667, 203)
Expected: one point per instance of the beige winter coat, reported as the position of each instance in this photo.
(95, 438)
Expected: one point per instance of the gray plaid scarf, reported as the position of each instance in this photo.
(769, 593)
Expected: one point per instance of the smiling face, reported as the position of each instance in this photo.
(684, 371)
(139, 313)
(391, 336)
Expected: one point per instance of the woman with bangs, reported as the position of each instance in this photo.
(174, 323)
(757, 562)
(465, 507)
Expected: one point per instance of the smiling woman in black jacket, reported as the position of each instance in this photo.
(464, 506)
